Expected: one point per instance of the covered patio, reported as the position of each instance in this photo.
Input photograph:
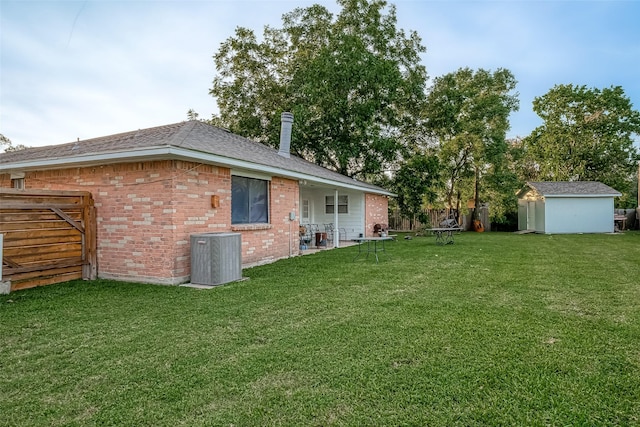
(330, 217)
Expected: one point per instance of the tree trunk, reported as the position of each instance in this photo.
(476, 205)
(458, 207)
(476, 223)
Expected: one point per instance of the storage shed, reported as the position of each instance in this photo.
(566, 207)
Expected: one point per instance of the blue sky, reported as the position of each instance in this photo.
(84, 69)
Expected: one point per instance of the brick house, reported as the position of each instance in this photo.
(155, 187)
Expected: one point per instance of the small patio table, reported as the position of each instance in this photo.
(444, 235)
(620, 222)
(372, 245)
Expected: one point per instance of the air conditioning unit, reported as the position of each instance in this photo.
(216, 258)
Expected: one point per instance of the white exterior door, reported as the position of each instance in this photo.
(305, 210)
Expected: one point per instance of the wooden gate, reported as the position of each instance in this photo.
(49, 237)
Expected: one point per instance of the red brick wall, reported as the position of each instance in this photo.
(376, 212)
(263, 243)
(146, 212)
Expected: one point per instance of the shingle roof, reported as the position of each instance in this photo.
(194, 136)
(577, 188)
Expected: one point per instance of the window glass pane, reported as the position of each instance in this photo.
(258, 206)
(239, 200)
(343, 204)
(328, 204)
(17, 183)
(249, 200)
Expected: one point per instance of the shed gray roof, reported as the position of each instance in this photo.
(576, 188)
(191, 140)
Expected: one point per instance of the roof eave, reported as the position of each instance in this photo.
(582, 196)
(172, 152)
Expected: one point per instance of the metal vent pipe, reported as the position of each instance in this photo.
(286, 123)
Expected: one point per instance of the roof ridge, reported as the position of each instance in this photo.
(185, 128)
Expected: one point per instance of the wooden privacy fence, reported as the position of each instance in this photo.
(399, 222)
(49, 237)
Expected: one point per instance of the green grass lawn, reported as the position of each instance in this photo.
(497, 329)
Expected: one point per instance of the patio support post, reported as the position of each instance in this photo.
(336, 233)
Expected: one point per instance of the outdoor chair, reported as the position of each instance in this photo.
(449, 222)
(330, 230)
(343, 234)
(305, 236)
(314, 230)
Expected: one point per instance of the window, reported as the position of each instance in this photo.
(343, 204)
(249, 200)
(17, 183)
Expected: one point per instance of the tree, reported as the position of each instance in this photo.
(353, 83)
(467, 112)
(8, 145)
(587, 135)
(192, 114)
(4, 141)
(415, 185)
(502, 185)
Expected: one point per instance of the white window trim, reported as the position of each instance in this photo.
(336, 205)
(249, 174)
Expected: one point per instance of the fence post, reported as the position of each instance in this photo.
(5, 287)
(90, 266)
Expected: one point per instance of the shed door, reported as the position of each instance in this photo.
(522, 215)
(531, 215)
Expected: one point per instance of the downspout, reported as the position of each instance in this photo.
(290, 243)
(336, 233)
(286, 125)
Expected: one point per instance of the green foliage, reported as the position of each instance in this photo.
(587, 135)
(352, 82)
(468, 111)
(8, 145)
(495, 330)
(500, 189)
(416, 184)
(4, 140)
(629, 200)
(357, 89)
(192, 114)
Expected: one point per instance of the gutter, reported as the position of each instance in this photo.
(172, 152)
(579, 196)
